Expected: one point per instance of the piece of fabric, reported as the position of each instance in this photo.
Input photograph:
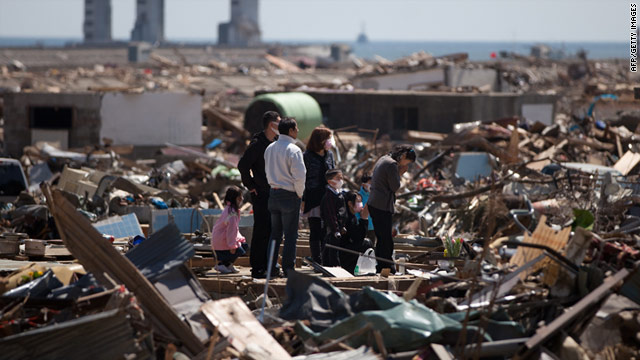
(311, 298)
(284, 165)
(332, 314)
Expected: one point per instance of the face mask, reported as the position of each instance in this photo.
(275, 130)
(327, 144)
(336, 184)
(358, 207)
(366, 187)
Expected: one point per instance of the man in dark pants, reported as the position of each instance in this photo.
(386, 180)
(251, 167)
(286, 174)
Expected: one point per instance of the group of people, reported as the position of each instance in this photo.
(286, 183)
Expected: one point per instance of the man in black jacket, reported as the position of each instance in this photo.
(251, 167)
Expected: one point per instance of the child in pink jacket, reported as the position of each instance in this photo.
(226, 241)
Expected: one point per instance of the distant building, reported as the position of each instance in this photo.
(426, 79)
(243, 29)
(149, 25)
(396, 112)
(97, 21)
(78, 119)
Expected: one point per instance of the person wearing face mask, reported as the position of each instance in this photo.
(384, 184)
(318, 159)
(365, 190)
(356, 223)
(254, 178)
(333, 211)
(226, 241)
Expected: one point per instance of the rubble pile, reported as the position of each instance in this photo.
(512, 238)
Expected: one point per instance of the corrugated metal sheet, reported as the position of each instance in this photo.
(161, 259)
(164, 250)
(107, 335)
(120, 226)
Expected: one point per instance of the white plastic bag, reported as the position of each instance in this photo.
(366, 265)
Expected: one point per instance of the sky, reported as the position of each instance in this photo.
(342, 20)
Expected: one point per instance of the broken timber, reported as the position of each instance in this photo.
(579, 309)
(98, 256)
(234, 321)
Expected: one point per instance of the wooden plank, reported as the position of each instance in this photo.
(542, 235)
(551, 151)
(627, 162)
(242, 261)
(98, 256)
(235, 322)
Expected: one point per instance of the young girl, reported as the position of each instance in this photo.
(226, 240)
(356, 223)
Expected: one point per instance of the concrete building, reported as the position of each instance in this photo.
(149, 25)
(244, 28)
(73, 120)
(450, 76)
(395, 112)
(97, 21)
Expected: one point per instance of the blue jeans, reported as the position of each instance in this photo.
(226, 258)
(285, 212)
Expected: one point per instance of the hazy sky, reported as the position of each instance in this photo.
(410, 20)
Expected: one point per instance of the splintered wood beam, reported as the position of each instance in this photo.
(236, 323)
(98, 256)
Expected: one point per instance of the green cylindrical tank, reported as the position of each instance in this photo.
(294, 104)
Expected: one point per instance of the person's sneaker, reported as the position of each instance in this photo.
(233, 269)
(223, 269)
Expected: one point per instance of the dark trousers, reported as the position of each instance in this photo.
(261, 232)
(316, 238)
(285, 213)
(384, 243)
(226, 258)
(330, 256)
